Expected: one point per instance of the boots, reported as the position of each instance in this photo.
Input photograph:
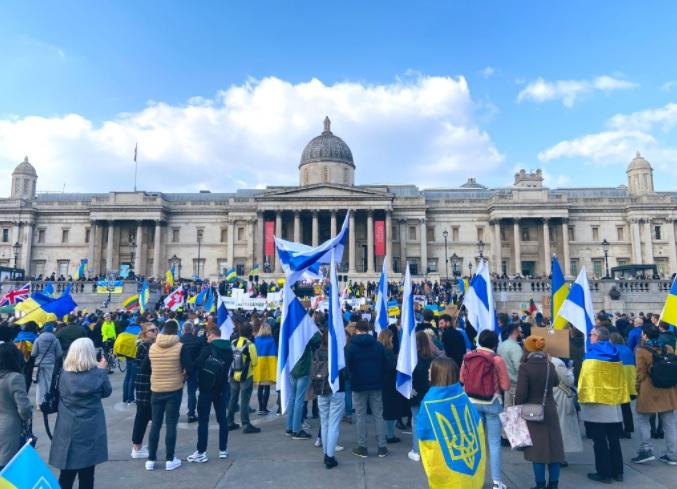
(539, 485)
(553, 485)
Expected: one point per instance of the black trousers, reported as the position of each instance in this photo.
(263, 394)
(628, 423)
(607, 447)
(85, 478)
(144, 413)
(205, 402)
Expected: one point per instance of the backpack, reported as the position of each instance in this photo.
(213, 373)
(480, 376)
(239, 362)
(319, 373)
(663, 371)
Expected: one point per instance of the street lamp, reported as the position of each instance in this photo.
(175, 261)
(17, 250)
(470, 268)
(605, 248)
(445, 235)
(199, 243)
(480, 249)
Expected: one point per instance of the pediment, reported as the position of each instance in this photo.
(323, 191)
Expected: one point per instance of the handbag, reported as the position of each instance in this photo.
(536, 412)
(515, 427)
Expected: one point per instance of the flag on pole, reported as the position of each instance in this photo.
(479, 301)
(381, 305)
(16, 296)
(577, 308)
(169, 277)
(42, 309)
(174, 300)
(337, 333)
(131, 302)
(231, 275)
(144, 296)
(82, 269)
(669, 313)
(136, 148)
(560, 290)
(27, 470)
(256, 270)
(209, 300)
(408, 356)
(223, 319)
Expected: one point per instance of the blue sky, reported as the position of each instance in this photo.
(219, 93)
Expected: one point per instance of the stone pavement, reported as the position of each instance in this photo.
(271, 460)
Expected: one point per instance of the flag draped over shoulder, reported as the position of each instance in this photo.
(265, 369)
(560, 290)
(407, 357)
(479, 301)
(43, 309)
(337, 334)
(669, 313)
(602, 378)
(451, 439)
(381, 305)
(27, 470)
(577, 308)
(629, 368)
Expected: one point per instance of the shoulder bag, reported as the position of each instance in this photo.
(536, 412)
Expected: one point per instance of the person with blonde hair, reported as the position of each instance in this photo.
(80, 441)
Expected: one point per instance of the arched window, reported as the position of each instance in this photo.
(325, 174)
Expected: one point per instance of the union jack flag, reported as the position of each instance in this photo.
(15, 296)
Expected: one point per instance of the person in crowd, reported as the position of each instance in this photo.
(535, 382)
(366, 362)
(630, 370)
(485, 378)
(420, 384)
(265, 371)
(169, 363)
(392, 399)
(242, 381)
(24, 342)
(667, 335)
(565, 399)
(635, 334)
(47, 353)
(15, 407)
(95, 332)
(149, 332)
(452, 339)
(427, 323)
(80, 441)
(652, 399)
(511, 352)
(108, 333)
(69, 333)
(193, 345)
(300, 381)
(132, 330)
(212, 365)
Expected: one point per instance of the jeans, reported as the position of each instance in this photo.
(243, 390)
(349, 398)
(414, 438)
(607, 448)
(297, 394)
(539, 472)
(669, 419)
(375, 400)
(161, 403)
(204, 404)
(263, 394)
(390, 428)
(331, 411)
(191, 388)
(85, 478)
(492, 426)
(45, 373)
(144, 413)
(128, 383)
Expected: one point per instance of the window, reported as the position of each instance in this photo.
(240, 233)
(430, 235)
(620, 234)
(657, 232)
(413, 266)
(395, 233)
(62, 268)
(41, 235)
(598, 267)
(504, 267)
(573, 265)
(454, 233)
(64, 235)
(198, 267)
(622, 261)
(432, 265)
(525, 234)
(412, 233)
(39, 267)
(224, 235)
(175, 235)
(5, 235)
(572, 233)
(222, 263)
(396, 264)
(595, 233)
(480, 234)
(87, 231)
(240, 269)
(662, 266)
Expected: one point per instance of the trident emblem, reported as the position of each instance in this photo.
(462, 442)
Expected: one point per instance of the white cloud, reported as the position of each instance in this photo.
(254, 133)
(488, 72)
(601, 147)
(669, 85)
(645, 120)
(569, 91)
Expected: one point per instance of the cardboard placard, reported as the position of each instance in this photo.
(556, 340)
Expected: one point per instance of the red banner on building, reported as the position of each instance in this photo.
(269, 231)
(379, 238)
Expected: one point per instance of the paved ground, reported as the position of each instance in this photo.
(271, 460)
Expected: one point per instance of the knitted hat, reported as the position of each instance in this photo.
(49, 327)
(534, 343)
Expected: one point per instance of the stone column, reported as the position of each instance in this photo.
(29, 247)
(91, 256)
(370, 241)
(333, 224)
(351, 243)
(648, 243)
(138, 256)
(316, 228)
(546, 246)
(278, 233)
(565, 249)
(636, 242)
(109, 247)
(157, 242)
(403, 245)
(497, 246)
(260, 233)
(231, 243)
(672, 245)
(389, 241)
(297, 226)
(251, 222)
(516, 243)
(424, 247)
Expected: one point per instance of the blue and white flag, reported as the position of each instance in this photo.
(296, 330)
(337, 333)
(479, 301)
(301, 261)
(223, 319)
(577, 307)
(381, 305)
(408, 356)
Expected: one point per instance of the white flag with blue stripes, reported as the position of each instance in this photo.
(479, 301)
(296, 330)
(337, 333)
(408, 356)
(224, 319)
(577, 307)
(381, 305)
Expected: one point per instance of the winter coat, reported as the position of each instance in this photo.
(546, 436)
(454, 345)
(222, 350)
(394, 404)
(192, 344)
(46, 349)
(366, 362)
(14, 409)
(651, 399)
(80, 439)
(419, 380)
(142, 379)
(565, 399)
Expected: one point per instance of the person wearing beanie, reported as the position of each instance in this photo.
(47, 353)
(536, 378)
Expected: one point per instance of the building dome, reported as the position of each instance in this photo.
(327, 147)
(25, 168)
(640, 176)
(638, 163)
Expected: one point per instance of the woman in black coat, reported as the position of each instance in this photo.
(393, 402)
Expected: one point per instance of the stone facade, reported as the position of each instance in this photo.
(205, 233)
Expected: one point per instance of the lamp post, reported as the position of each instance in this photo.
(480, 249)
(445, 235)
(199, 244)
(605, 248)
(17, 249)
(470, 268)
(132, 252)
(455, 260)
(175, 261)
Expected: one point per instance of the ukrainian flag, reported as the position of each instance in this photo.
(669, 314)
(393, 308)
(26, 469)
(451, 439)
(169, 277)
(602, 379)
(560, 290)
(629, 368)
(265, 369)
(102, 286)
(144, 296)
(209, 300)
(256, 270)
(43, 309)
(82, 269)
(231, 275)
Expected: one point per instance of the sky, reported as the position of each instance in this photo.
(225, 95)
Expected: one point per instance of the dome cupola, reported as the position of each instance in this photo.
(640, 175)
(327, 159)
(24, 179)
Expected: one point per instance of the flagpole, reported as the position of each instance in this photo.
(136, 165)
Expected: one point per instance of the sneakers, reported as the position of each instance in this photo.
(330, 462)
(667, 460)
(643, 456)
(223, 453)
(394, 439)
(339, 448)
(250, 428)
(288, 432)
(173, 464)
(140, 453)
(150, 464)
(414, 456)
(360, 452)
(498, 485)
(318, 442)
(301, 435)
(382, 452)
(197, 457)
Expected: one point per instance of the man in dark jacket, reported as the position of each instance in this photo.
(212, 365)
(453, 341)
(366, 362)
(193, 345)
(68, 334)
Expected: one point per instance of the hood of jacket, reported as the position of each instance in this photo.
(363, 340)
(166, 340)
(221, 344)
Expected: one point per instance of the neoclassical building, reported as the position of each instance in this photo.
(436, 230)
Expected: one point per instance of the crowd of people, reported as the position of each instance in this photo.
(173, 352)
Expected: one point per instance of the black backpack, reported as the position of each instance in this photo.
(319, 373)
(213, 373)
(663, 371)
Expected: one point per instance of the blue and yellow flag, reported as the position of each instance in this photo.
(602, 379)
(560, 290)
(265, 369)
(393, 308)
(26, 469)
(669, 314)
(169, 277)
(144, 296)
(629, 368)
(209, 300)
(451, 439)
(112, 286)
(48, 290)
(231, 275)
(256, 270)
(43, 309)
(82, 269)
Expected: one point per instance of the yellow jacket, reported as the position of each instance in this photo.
(250, 360)
(108, 331)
